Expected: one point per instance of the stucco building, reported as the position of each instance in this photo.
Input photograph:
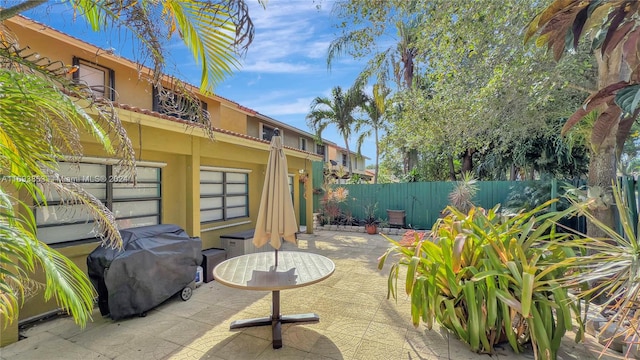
(208, 187)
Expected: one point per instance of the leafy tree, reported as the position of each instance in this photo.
(41, 121)
(483, 90)
(613, 33)
(398, 61)
(339, 111)
(544, 153)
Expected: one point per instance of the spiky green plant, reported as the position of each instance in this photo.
(609, 267)
(461, 197)
(489, 278)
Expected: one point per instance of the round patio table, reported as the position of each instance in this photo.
(258, 271)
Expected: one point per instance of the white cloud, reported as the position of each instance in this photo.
(299, 106)
(289, 36)
(275, 67)
(254, 81)
(318, 50)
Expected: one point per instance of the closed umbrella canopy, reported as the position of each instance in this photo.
(276, 217)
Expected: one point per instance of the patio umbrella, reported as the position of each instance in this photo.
(276, 217)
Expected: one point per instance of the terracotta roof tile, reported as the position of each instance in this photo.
(156, 114)
(181, 121)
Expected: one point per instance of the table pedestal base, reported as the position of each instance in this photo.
(275, 320)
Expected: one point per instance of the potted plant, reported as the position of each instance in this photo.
(370, 220)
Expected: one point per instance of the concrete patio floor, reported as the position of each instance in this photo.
(356, 321)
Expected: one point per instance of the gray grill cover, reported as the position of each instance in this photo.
(155, 263)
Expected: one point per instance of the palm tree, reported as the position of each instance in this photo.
(37, 130)
(339, 111)
(375, 109)
(398, 60)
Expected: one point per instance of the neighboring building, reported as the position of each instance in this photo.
(338, 167)
(207, 187)
(371, 174)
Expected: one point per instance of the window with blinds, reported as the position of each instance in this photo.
(224, 195)
(63, 220)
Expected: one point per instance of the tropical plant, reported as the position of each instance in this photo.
(461, 197)
(370, 217)
(608, 268)
(613, 30)
(488, 278)
(370, 221)
(355, 179)
(29, 166)
(339, 111)
(43, 113)
(331, 203)
(399, 61)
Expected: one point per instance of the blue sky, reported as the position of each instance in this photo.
(283, 71)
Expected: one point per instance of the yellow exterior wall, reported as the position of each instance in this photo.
(291, 139)
(233, 120)
(214, 113)
(174, 149)
(253, 127)
(137, 91)
(36, 305)
(8, 333)
(332, 153)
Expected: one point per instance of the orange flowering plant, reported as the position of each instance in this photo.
(331, 203)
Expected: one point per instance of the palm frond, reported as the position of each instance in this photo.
(65, 282)
(209, 31)
(345, 44)
(19, 66)
(17, 257)
(72, 193)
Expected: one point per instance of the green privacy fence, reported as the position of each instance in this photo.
(422, 201)
(631, 188)
(317, 168)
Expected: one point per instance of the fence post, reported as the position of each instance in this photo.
(630, 190)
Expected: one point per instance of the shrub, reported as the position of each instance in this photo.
(488, 278)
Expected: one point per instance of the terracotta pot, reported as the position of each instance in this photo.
(371, 229)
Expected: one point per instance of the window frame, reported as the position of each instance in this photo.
(225, 195)
(110, 181)
(303, 144)
(264, 136)
(155, 106)
(324, 151)
(108, 87)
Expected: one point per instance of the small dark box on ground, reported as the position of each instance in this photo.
(396, 218)
(211, 258)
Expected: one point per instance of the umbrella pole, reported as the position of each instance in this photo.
(276, 257)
